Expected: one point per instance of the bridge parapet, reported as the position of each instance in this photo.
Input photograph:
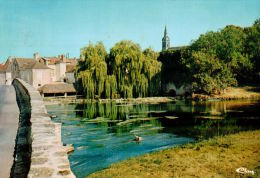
(48, 156)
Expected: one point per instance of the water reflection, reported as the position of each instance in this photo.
(103, 133)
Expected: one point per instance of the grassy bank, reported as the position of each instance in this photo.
(217, 157)
(245, 92)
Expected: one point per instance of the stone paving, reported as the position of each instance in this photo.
(49, 157)
(9, 118)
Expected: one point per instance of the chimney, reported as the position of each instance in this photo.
(36, 56)
(62, 57)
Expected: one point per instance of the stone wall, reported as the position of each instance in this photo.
(48, 156)
(2, 78)
(182, 90)
(22, 152)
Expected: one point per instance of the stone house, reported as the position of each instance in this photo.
(59, 67)
(5, 73)
(31, 71)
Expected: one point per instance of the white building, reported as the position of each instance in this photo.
(62, 69)
(47, 74)
(31, 71)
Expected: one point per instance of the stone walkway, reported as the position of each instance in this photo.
(9, 118)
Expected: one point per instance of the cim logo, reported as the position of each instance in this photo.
(243, 170)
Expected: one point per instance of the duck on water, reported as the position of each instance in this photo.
(137, 138)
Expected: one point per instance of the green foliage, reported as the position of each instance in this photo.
(218, 59)
(136, 71)
(92, 69)
(152, 71)
(209, 73)
(126, 71)
(126, 62)
(173, 69)
(253, 47)
(110, 86)
(215, 61)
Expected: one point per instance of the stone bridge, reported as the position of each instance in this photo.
(39, 151)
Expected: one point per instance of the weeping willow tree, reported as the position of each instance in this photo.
(127, 71)
(125, 62)
(110, 86)
(135, 70)
(92, 70)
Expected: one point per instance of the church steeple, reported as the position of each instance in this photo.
(165, 31)
(165, 40)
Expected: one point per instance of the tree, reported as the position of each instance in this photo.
(92, 69)
(125, 62)
(152, 71)
(136, 71)
(253, 47)
(126, 70)
(231, 50)
(174, 69)
(218, 59)
(209, 73)
(110, 86)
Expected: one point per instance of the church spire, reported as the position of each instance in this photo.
(165, 31)
(165, 40)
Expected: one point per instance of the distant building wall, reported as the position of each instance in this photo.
(70, 77)
(60, 71)
(15, 72)
(41, 77)
(2, 78)
(57, 72)
(8, 78)
(26, 75)
(53, 72)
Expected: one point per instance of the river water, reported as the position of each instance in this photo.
(103, 134)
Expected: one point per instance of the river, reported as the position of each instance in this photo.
(103, 133)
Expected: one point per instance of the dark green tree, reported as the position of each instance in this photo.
(253, 48)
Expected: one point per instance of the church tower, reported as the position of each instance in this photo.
(165, 40)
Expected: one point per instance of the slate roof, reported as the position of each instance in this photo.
(28, 63)
(57, 88)
(56, 60)
(52, 60)
(7, 66)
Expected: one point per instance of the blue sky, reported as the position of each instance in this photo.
(53, 27)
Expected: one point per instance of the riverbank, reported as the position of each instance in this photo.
(74, 99)
(232, 93)
(216, 157)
